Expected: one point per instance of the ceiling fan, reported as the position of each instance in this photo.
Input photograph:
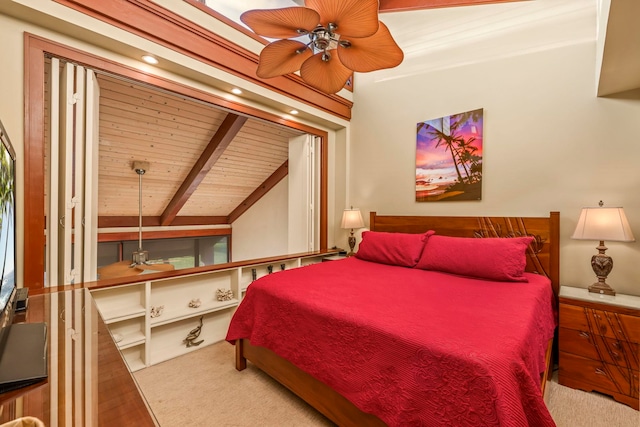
(140, 258)
(344, 36)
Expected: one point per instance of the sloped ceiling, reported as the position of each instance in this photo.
(203, 161)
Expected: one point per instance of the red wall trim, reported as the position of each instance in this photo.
(153, 22)
(154, 221)
(169, 234)
(34, 218)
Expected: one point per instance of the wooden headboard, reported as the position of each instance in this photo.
(543, 255)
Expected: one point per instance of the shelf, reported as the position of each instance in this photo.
(146, 341)
(170, 316)
(135, 365)
(167, 341)
(122, 314)
(134, 357)
(131, 340)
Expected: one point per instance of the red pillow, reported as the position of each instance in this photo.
(402, 249)
(500, 259)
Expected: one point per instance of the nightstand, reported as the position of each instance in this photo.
(599, 342)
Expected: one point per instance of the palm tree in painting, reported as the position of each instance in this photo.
(468, 159)
(449, 142)
(462, 151)
(6, 182)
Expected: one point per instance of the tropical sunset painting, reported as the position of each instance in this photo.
(449, 158)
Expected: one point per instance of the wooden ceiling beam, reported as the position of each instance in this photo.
(402, 5)
(263, 189)
(218, 144)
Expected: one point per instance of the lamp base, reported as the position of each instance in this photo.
(352, 244)
(602, 265)
(601, 288)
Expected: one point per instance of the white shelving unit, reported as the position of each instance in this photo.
(144, 340)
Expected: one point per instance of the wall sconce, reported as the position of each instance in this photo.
(351, 218)
(603, 224)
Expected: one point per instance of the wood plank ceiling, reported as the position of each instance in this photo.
(204, 162)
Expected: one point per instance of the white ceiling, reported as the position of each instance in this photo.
(442, 38)
(437, 39)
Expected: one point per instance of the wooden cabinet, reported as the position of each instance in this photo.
(145, 339)
(599, 343)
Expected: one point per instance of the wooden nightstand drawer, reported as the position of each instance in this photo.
(600, 376)
(589, 375)
(597, 347)
(606, 323)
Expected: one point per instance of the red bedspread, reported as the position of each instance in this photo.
(413, 347)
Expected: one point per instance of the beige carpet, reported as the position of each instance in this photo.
(203, 388)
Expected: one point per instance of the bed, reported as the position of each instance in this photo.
(392, 338)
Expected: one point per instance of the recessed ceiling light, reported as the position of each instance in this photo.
(236, 91)
(149, 59)
(293, 112)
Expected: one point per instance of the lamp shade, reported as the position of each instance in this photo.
(602, 224)
(351, 218)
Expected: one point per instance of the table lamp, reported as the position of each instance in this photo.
(351, 218)
(599, 223)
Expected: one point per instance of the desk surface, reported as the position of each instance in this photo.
(88, 382)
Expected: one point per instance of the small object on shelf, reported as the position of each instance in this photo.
(283, 267)
(117, 337)
(22, 299)
(254, 274)
(195, 303)
(193, 334)
(156, 311)
(224, 294)
(269, 269)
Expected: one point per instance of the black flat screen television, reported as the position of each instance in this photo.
(7, 233)
(23, 346)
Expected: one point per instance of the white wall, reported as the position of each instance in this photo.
(262, 230)
(549, 143)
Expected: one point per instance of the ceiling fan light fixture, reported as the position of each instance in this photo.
(351, 27)
(140, 256)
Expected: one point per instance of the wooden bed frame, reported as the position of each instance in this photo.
(543, 257)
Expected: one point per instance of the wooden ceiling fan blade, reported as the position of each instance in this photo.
(371, 53)
(354, 18)
(154, 267)
(282, 57)
(117, 269)
(328, 76)
(281, 23)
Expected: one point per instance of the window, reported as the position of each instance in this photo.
(185, 252)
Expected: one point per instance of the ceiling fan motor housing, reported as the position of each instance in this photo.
(140, 257)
